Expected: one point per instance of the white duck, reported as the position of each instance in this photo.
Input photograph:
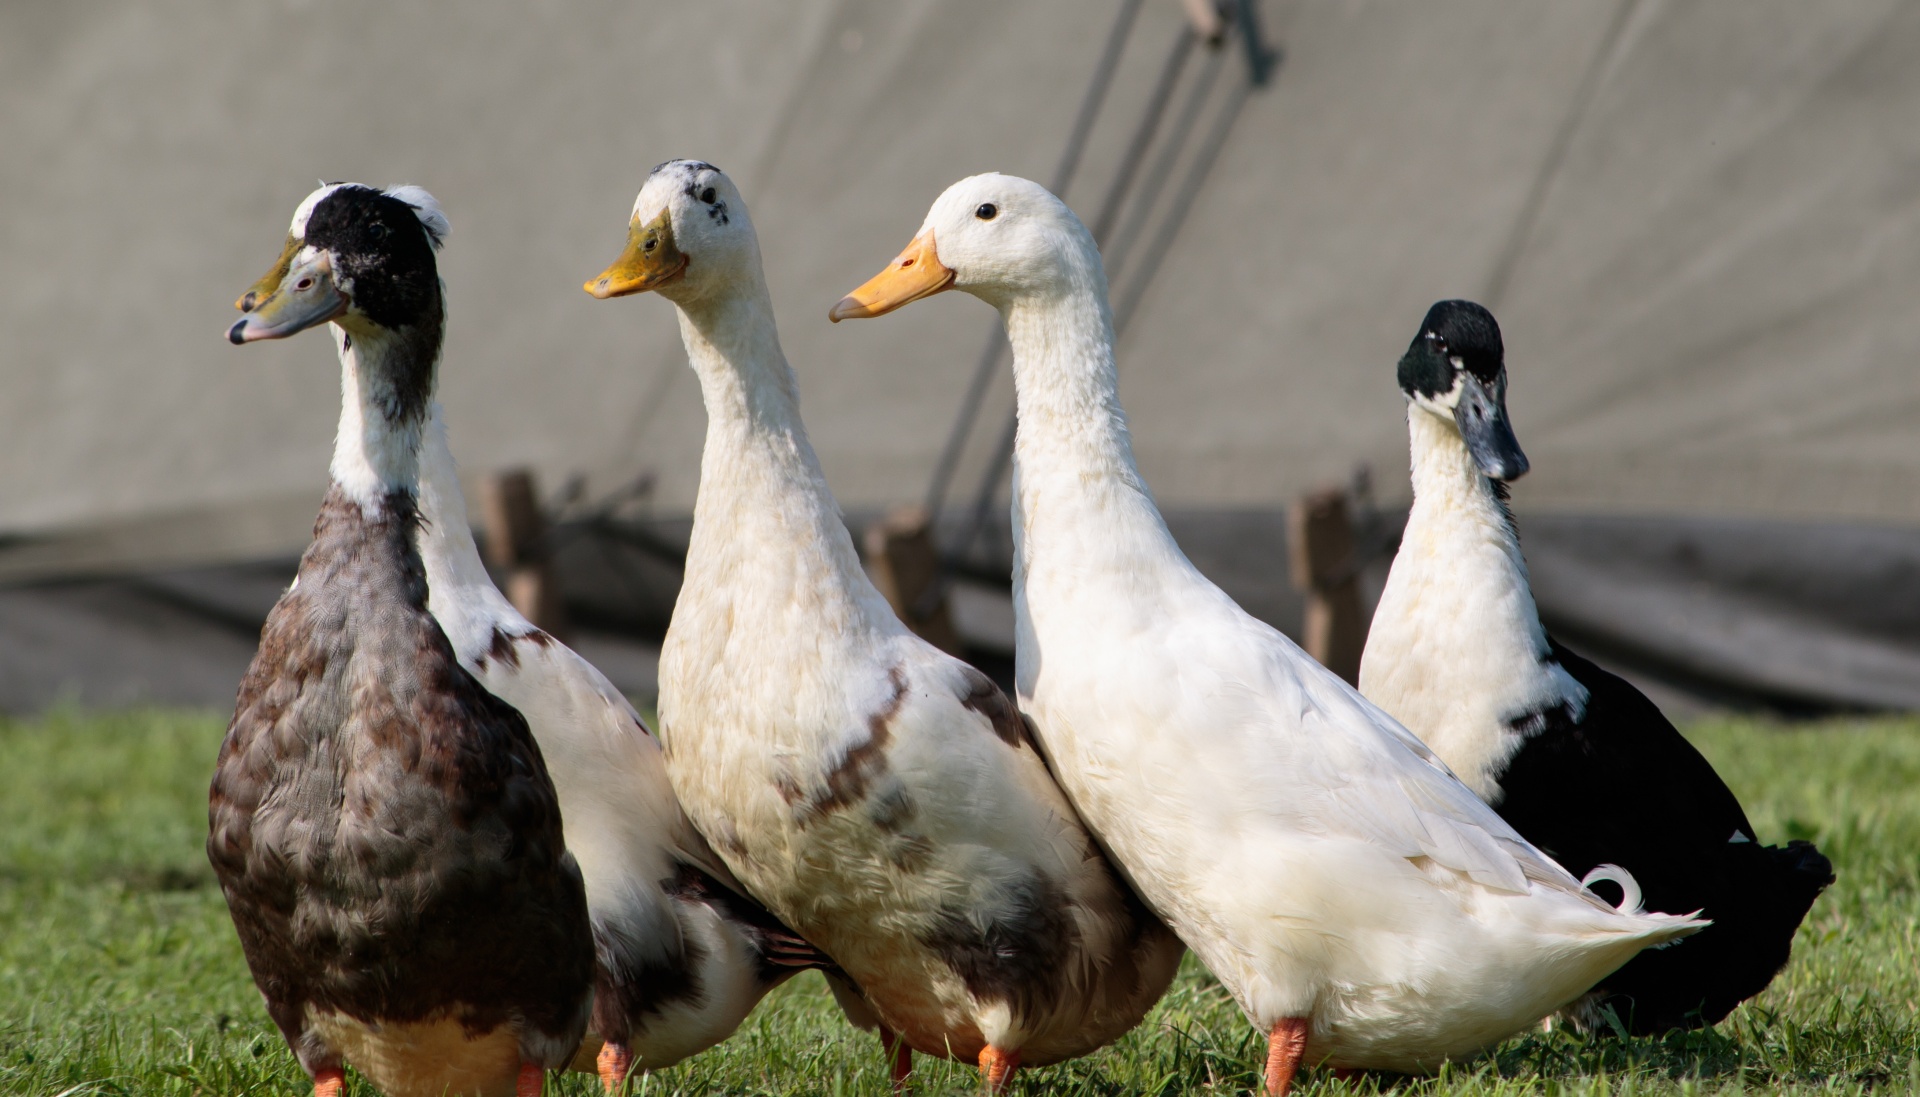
(879, 796)
(1364, 908)
(681, 957)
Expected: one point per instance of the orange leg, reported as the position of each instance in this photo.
(531, 1081)
(329, 1082)
(997, 1067)
(614, 1061)
(899, 1057)
(1286, 1046)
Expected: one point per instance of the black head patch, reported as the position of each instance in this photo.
(379, 244)
(1452, 329)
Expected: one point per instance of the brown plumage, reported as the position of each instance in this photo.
(383, 828)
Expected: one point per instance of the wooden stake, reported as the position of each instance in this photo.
(1320, 544)
(905, 566)
(517, 545)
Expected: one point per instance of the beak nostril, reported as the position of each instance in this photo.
(905, 263)
(247, 302)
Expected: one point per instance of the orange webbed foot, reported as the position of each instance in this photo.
(997, 1067)
(329, 1082)
(614, 1062)
(531, 1081)
(1286, 1046)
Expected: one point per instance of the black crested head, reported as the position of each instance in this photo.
(1455, 334)
(383, 250)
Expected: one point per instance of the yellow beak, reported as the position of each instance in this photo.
(915, 273)
(650, 261)
(269, 281)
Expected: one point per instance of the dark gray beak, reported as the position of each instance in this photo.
(1482, 417)
(304, 297)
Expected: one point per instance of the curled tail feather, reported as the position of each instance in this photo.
(1630, 897)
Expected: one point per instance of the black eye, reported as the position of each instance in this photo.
(1439, 345)
(707, 196)
(378, 230)
(986, 211)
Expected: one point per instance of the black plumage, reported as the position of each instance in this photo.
(1621, 785)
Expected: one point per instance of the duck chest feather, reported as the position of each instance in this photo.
(384, 828)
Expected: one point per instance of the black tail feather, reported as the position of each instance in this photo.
(1765, 893)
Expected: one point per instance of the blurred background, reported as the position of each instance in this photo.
(1698, 223)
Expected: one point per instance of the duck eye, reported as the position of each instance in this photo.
(378, 230)
(707, 196)
(986, 211)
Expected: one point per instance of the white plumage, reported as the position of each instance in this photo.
(701, 969)
(877, 794)
(1324, 863)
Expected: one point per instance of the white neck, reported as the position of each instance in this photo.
(763, 512)
(1456, 646)
(461, 595)
(377, 449)
(1079, 502)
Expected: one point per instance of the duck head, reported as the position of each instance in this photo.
(1456, 370)
(998, 237)
(360, 257)
(688, 238)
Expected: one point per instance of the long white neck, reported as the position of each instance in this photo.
(764, 516)
(1079, 503)
(376, 450)
(1456, 507)
(1456, 650)
(461, 595)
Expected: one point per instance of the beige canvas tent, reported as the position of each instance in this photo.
(1699, 224)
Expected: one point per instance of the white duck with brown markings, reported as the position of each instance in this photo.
(681, 955)
(1361, 905)
(877, 794)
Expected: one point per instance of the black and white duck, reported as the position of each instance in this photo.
(1577, 760)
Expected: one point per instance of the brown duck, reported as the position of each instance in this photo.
(384, 829)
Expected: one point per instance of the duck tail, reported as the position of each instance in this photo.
(1630, 897)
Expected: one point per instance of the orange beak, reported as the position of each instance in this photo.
(915, 273)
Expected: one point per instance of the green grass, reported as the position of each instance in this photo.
(119, 973)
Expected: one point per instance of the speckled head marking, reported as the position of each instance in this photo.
(688, 233)
(1456, 369)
